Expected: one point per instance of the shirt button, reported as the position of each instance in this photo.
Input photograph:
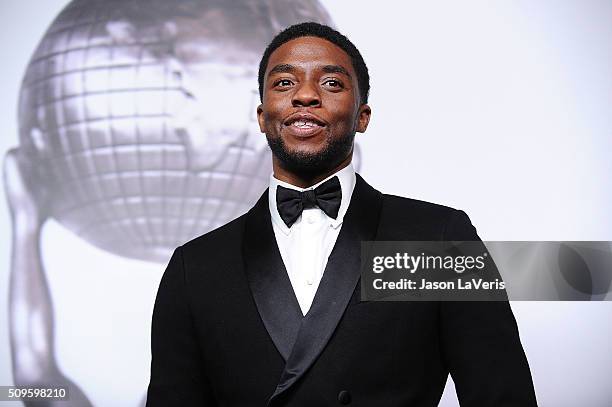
(344, 397)
(310, 220)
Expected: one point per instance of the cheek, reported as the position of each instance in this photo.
(343, 107)
(345, 119)
(273, 108)
(272, 121)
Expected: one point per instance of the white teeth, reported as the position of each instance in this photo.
(304, 124)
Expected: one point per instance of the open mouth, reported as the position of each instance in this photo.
(304, 124)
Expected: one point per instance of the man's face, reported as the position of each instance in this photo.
(311, 106)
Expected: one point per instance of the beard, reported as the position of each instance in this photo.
(310, 165)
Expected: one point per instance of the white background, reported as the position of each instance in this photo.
(502, 109)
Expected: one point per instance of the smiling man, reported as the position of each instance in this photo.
(266, 310)
(311, 108)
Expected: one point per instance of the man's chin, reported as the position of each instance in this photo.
(305, 154)
(305, 146)
(305, 165)
(310, 160)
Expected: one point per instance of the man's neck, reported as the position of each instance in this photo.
(302, 181)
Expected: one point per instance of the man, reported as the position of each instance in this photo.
(266, 310)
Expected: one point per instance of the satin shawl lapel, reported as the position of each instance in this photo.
(337, 285)
(268, 279)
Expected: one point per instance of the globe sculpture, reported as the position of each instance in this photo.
(138, 117)
(137, 132)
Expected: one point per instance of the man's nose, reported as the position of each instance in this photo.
(306, 94)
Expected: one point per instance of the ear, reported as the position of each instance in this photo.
(363, 118)
(260, 119)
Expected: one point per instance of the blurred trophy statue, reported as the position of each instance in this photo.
(137, 132)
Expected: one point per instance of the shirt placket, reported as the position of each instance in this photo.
(309, 253)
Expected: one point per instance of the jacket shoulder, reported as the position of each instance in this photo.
(412, 219)
(400, 203)
(218, 240)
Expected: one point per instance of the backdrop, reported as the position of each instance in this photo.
(506, 105)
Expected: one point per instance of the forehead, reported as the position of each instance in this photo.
(309, 52)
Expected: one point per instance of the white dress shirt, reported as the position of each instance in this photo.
(307, 244)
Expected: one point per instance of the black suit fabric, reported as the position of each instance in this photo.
(228, 331)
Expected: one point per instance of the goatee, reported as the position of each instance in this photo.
(311, 165)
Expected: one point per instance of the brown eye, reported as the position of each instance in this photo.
(283, 83)
(333, 83)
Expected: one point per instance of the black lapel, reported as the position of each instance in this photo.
(268, 279)
(337, 285)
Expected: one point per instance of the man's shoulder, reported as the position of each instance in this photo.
(401, 203)
(210, 259)
(409, 218)
(219, 238)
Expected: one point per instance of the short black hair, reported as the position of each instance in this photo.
(312, 29)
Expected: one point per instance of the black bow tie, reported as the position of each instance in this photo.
(290, 203)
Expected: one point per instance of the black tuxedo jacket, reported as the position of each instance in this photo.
(228, 331)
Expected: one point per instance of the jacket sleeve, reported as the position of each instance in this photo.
(481, 344)
(177, 372)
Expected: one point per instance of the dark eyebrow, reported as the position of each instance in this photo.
(282, 68)
(335, 69)
(288, 68)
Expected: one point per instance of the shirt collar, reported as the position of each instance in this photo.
(347, 179)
